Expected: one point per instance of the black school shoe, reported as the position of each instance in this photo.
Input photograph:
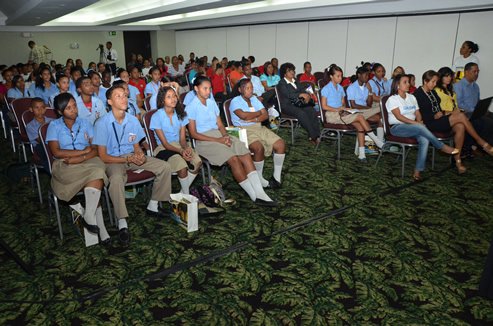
(261, 202)
(274, 184)
(124, 236)
(161, 212)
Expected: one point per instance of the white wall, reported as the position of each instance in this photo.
(59, 43)
(417, 43)
(163, 43)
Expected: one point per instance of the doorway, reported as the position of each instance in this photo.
(137, 42)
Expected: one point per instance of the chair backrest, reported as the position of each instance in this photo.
(227, 113)
(42, 139)
(385, 114)
(348, 105)
(150, 134)
(298, 77)
(19, 106)
(147, 103)
(322, 82)
(319, 75)
(28, 116)
(322, 115)
(182, 96)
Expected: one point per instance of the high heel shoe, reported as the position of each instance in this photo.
(461, 169)
(488, 149)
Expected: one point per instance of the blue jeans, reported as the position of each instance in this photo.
(422, 135)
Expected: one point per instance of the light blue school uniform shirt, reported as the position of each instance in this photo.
(467, 95)
(46, 93)
(76, 139)
(14, 92)
(171, 129)
(152, 88)
(102, 95)
(133, 92)
(192, 95)
(72, 87)
(205, 116)
(31, 90)
(379, 87)
(271, 80)
(357, 93)
(98, 109)
(32, 129)
(333, 94)
(132, 107)
(239, 103)
(119, 139)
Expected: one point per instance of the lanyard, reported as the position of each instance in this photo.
(118, 139)
(74, 137)
(379, 85)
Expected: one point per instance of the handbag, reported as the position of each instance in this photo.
(300, 102)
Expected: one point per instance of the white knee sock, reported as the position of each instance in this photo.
(375, 139)
(247, 186)
(122, 223)
(185, 186)
(361, 153)
(191, 177)
(259, 166)
(92, 200)
(257, 187)
(152, 206)
(278, 162)
(380, 134)
(103, 234)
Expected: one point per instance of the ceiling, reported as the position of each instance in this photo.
(190, 14)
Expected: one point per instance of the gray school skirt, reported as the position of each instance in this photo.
(335, 117)
(216, 153)
(68, 179)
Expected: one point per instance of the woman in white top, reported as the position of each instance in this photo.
(406, 121)
(466, 55)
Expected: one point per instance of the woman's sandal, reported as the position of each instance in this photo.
(488, 149)
(461, 169)
(416, 178)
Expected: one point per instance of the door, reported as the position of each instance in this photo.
(137, 42)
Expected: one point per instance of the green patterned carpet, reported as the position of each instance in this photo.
(395, 253)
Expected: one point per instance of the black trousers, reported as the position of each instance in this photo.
(306, 116)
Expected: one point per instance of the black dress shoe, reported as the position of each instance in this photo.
(106, 242)
(161, 213)
(92, 228)
(274, 184)
(124, 236)
(265, 203)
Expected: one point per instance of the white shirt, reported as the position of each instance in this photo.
(292, 83)
(460, 62)
(407, 107)
(114, 56)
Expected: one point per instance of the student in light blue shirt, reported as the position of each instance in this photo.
(18, 88)
(380, 86)
(77, 166)
(75, 73)
(45, 85)
(132, 109)
(90, 107)
(38, 108)
(248, 112)
(214, 143)
(269, 79)
(358, 93)
(152, 88)
(99, 90)
(169, 126)
(117, 135)
(62, 82)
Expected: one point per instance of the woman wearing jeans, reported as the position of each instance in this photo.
(406, 121)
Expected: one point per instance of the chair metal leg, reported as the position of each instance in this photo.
(108, 205)
(339, 139)
(12, 140)
(292, 131)
(3, 125)
(59, 221)
(433, 158)
(23, 152)
(404, 154)
(38, 184)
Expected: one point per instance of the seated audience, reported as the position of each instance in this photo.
(291, 92)
(467, 99)
(269, 78)
(380, 86)
(75, 74)
(153, 86)
(334, 106)
(214, 143)
(435, 120)
(307, 75)
(412, 83)
(134, 91)
(45, 84)
(405, 119)
(248, 112)
(77, 165)
(89, 106)
(38, 108)
(98, 89)
(137, 81)
(62, 83)
(132, 107)
(236, 73)
(18, 89)
(169, 125)
(117, 136)
(218, 83)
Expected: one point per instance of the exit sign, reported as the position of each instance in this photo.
(112, 33)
